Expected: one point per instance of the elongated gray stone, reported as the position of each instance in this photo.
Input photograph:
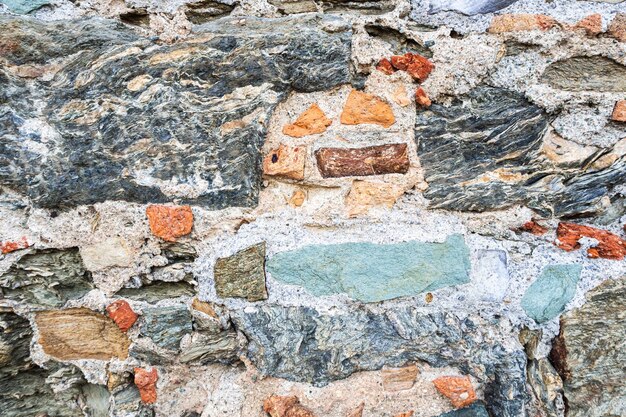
(158, 291)
(47, 278)
(129, 119)
(582, 73)
(469, 7)
(305, 345)
(483, 153)
(547, 297)
(166, 326)
(370, 272)
(589, 353)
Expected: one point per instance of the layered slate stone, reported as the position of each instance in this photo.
(166, 326)
(158, 291)
(242, 275)
(306, 345)
(583, 73)
(370, 160)
(47, 278)
(589, 353)
(129, 119)
(469, 7)
(483, 152)
(547, 297)
(371, 272)
(79, 333)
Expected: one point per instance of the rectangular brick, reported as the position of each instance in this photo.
(371, 160)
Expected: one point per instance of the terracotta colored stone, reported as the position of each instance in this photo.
(416, 65)
(384, 65)
(458, 389)
(399, 379)
(79, 333)
(277, 406)
(12, 246)
(311, 122)
(421, 98)
(122, 314)
(297, 198)
(610, 246)
(407, 414)
(285, 162)
(592, 24)
(168, 222)
(619, 111)
(617, 28)
(533, 227)
(371, 160)
(400, 96)
(146, 383)
(365, 195)
(521, 23)
(204, 307)
(429, 297)
(363, 108)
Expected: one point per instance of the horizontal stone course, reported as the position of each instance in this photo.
(366, 161)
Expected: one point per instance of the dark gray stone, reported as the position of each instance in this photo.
(476, 409)
(47, 278)
(302, 344)
(157, 291)
(589, 353)
(469, 7)
(483, 153)
(109, 142)
(166, 326)
(583, 73)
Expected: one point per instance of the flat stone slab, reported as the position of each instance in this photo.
(125, 118)
(370, 272)
(547, 297)
(242, 275)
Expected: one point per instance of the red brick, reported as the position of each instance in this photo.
(170, 223)
(458, 389)
(146, 383)
(610, 246)
(533, 227)
(421, 98)
(417, 66)
(122, 314)
(12, 246)
(384, 65)
(371, 160)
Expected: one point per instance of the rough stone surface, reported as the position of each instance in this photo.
(469, 7)
(617, 28)
(286, 162)
(415, 65)
(158, 291)
(586, 74)
(170, 223)
(362, 108)
(548, 295)
(166, 326)
(106, 254)
(311, 122)
(122, 314)
(619, 111)
(277, 406)
(372, 160)
(12, 246)
(589, 353)
(477, 409)
(520, 23)
(398, 379)
(146, 381)
(242, 275)
(458, 389)
(79, 333)
(369, 272)
(365, 195)
(609, 245)
(47, 278)
(112, 142)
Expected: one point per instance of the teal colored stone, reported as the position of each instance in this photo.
(370, 272)
(547, 297)
(24, 6)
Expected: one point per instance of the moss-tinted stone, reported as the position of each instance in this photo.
(47, 278)
(547, 297)
(242, 275)
(24, 6)
(369, 272)
(166, 326)
(583, 73)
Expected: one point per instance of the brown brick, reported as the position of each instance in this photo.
(399, 379)
(619, 111)
(310, 122)
(363, 108)
(521, 23)
(371, 160)
(384, 65)
(617, 28)
(170, 223)
(285, 162)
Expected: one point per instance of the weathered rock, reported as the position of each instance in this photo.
(547, 297)
(547, 387)
(482, 153)
(122, 314)
(25, 6)
(303, 344)
(157, 291)
(285, 162)
(458, 389)
(398, 379)
(533, 227)
(166, 326)
(242, 274)
(609, 246)
(477, 409)
(108, 253)
(222, 347)
(617, 28)
(415, 65)
(369, 272)
(583, 73)
(170, 223)
(592, 24)
(127, 401)
(25, 388)
(146, 383)
(362, 108)
(371, 160)
(277, 406)
(365, 195)
(589, 353)
(521, 23)
(163, 141)
(400, 96)
(47, 278)
(469, 7)
(619, 111)
(12, 246)
(79, 333)
(421, 98)
(310, 122)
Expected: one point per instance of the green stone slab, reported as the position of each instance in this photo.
(547, 297)
(371, 272)
(24, 6)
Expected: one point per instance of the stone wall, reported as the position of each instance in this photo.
(331, 208)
